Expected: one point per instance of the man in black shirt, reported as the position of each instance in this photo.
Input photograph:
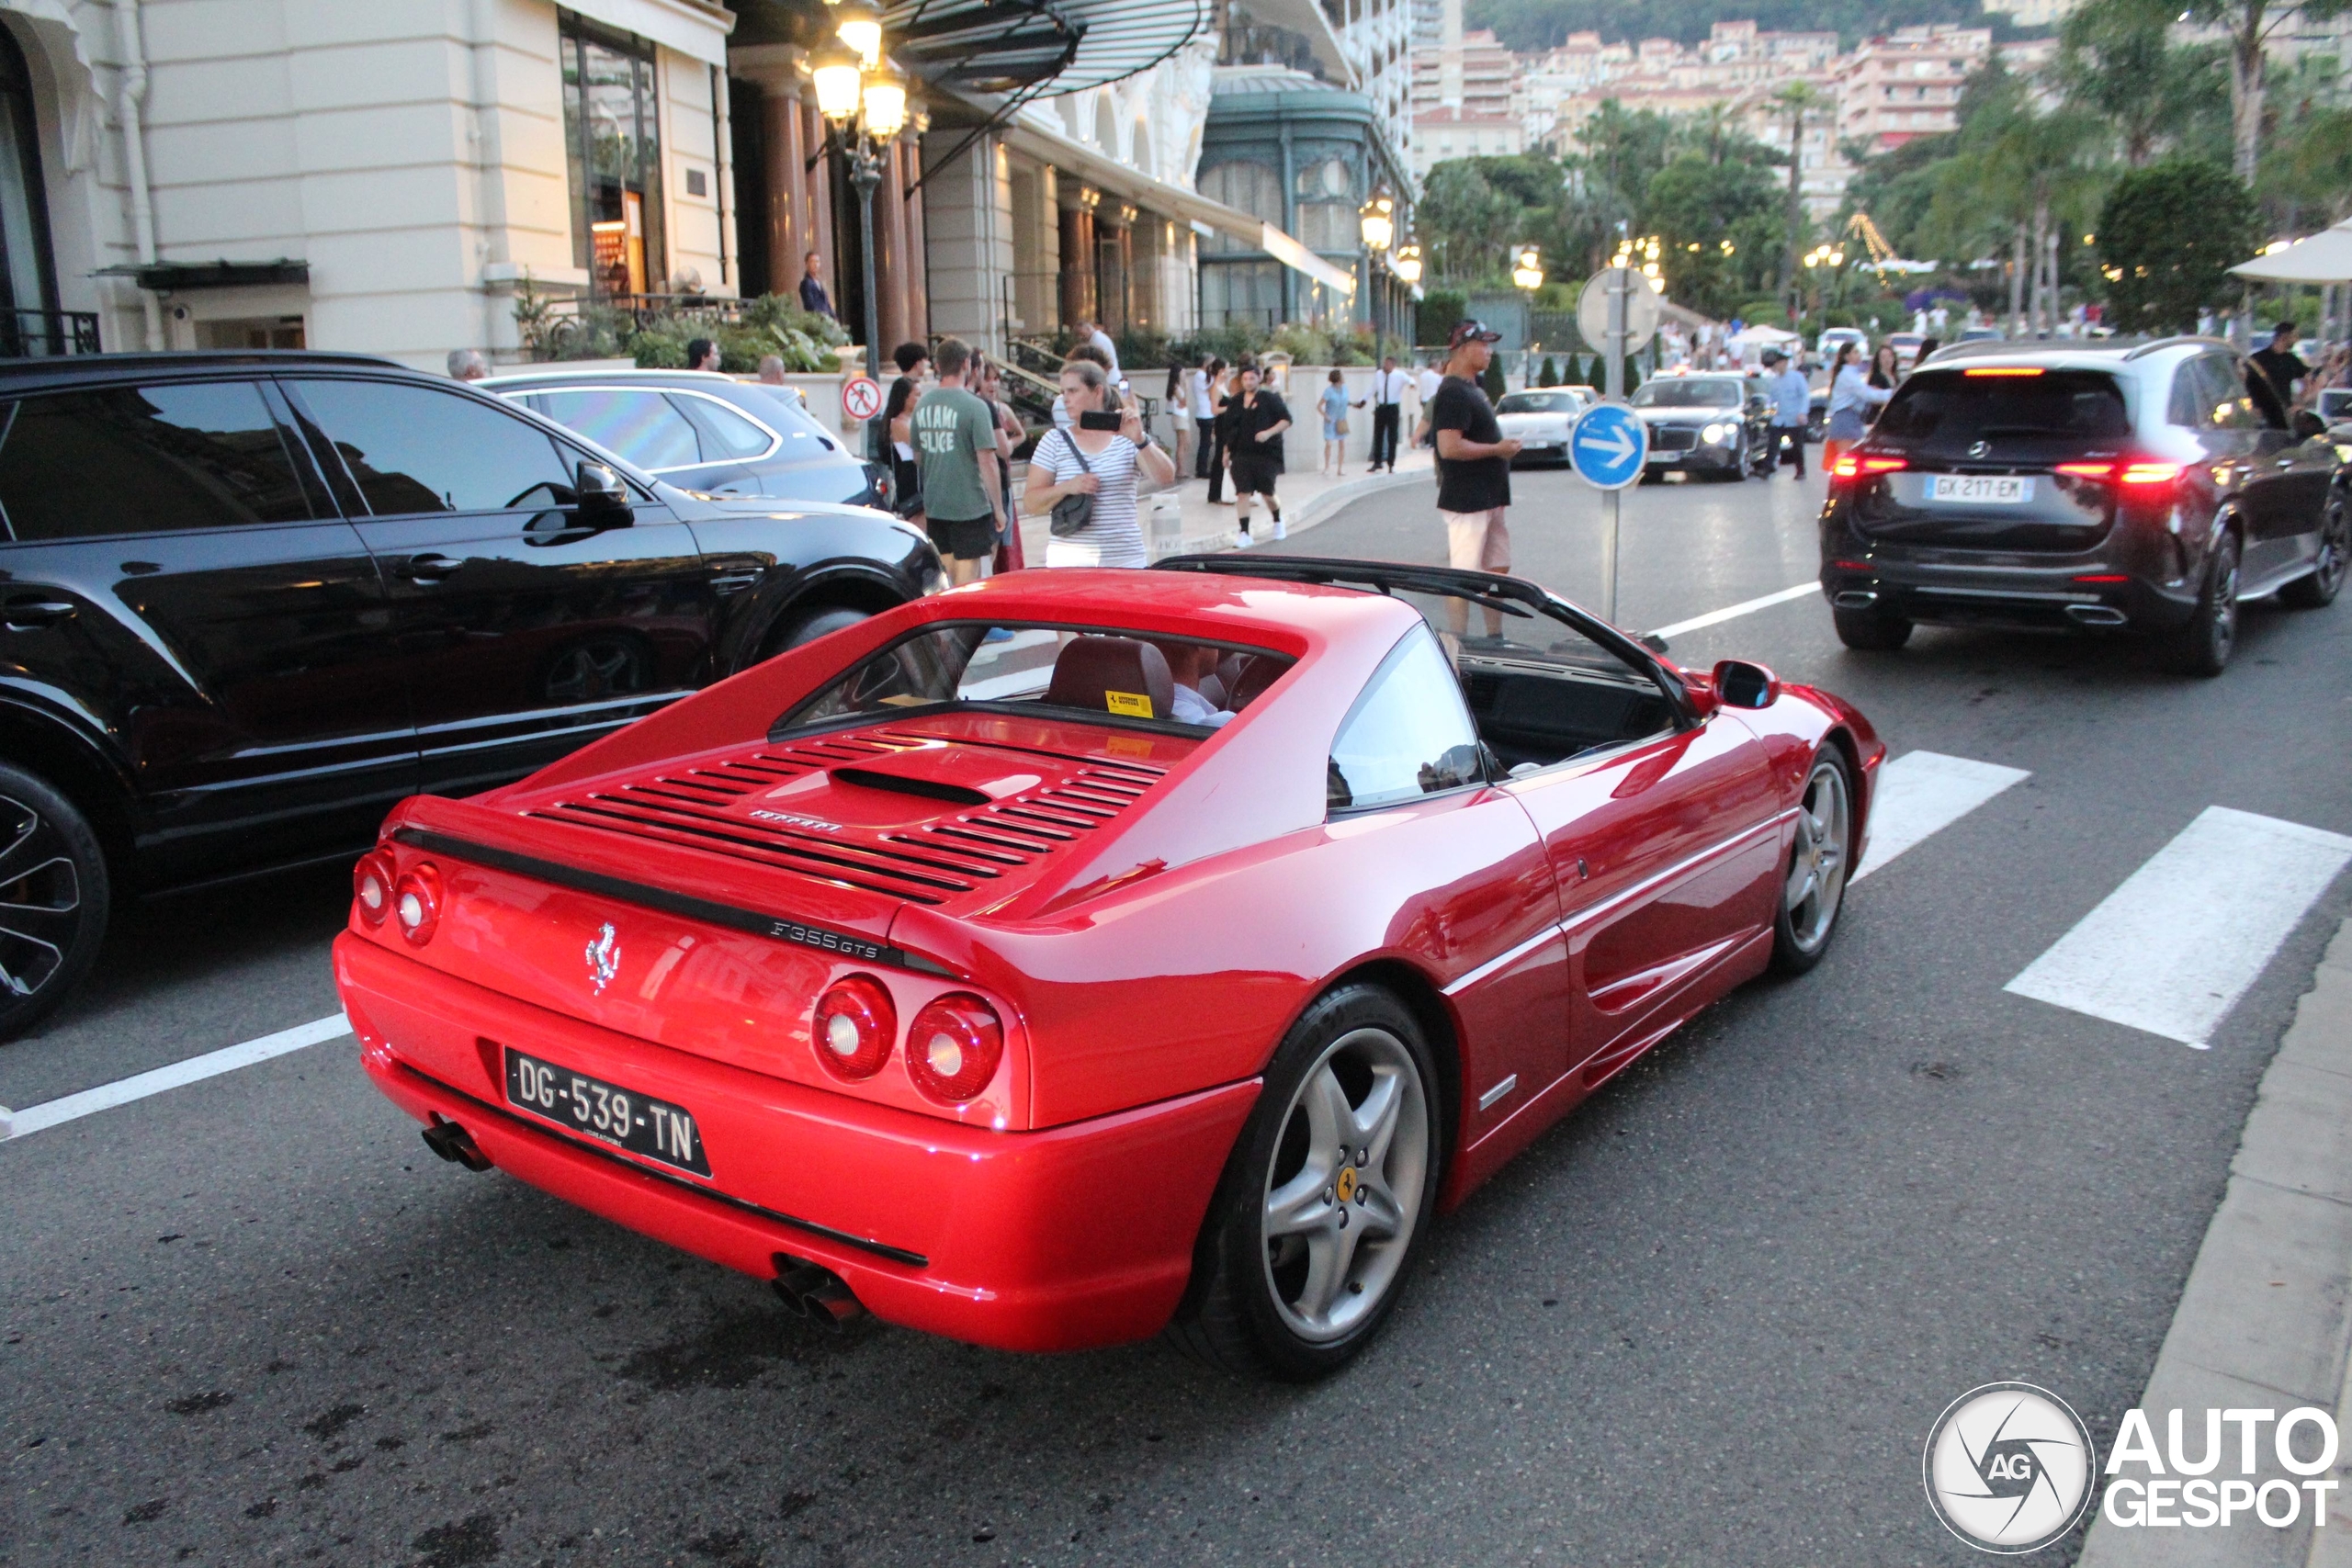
(1472, 468)
(2281, 368)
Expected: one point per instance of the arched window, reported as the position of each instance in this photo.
(28, 273)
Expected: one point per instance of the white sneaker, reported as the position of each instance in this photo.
(1241, 538)
(1280, 532)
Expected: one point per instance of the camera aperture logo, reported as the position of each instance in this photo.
(2008, 1467)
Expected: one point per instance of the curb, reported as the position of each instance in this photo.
(1323, 507)
(2264, 1319)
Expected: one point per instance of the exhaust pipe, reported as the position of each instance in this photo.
(815, 1291)
(1855, 599)
(455, 1145)
(2095, 616)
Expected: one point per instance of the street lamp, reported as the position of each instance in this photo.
(864, 99)
(1377, 219)
(1527, 274)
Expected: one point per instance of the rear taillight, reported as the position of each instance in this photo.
(2087, 470)
(2139, 474)
(853, 1027)
(1855, 465)
(954, 1047)
(416, 903)
(371, 887)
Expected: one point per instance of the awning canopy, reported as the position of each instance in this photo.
(2324, 257)
(1099, 168)
(1046, 47)
(176, 277)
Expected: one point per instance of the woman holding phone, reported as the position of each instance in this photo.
(1100, 455)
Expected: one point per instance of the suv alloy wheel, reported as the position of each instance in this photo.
(2204, 645)
(54, 900)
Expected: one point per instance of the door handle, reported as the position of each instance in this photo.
(427, 568)
(31, 614)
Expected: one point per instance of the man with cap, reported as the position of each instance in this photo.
(1472, 468)
(2281, 367)
(1791, 398)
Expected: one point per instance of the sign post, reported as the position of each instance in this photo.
(1617, 308)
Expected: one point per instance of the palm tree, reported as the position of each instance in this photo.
(1800, 103)
(2249, 24)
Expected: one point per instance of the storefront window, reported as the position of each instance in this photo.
(1251, 187)
(611, 126)
(27, 276)
(1234, 292)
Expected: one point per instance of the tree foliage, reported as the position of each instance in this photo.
(2169, 233)
(1532, 25)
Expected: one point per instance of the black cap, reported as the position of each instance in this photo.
(1773, 357)
(1468, 330)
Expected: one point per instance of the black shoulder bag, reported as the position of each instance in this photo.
(1073, 513)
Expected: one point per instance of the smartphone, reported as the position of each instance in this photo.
(1106, 419)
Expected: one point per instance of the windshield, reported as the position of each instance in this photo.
(1691, 393)
(1539, 402)
(1105, 673)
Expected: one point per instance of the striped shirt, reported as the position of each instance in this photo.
(1114, 536)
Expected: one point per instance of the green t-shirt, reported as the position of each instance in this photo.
(952, 428)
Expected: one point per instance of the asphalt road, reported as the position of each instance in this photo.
(1708, 1320)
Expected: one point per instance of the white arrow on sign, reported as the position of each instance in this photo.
(1614, 440)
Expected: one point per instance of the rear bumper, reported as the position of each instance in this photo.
(2053, 591)
(1063, 1239)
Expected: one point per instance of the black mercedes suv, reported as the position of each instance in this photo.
(2139, 487)
(248, 602)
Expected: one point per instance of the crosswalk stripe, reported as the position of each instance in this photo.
(1733, 612)
(2172, 947)
(122, 1091)
(1922, 793)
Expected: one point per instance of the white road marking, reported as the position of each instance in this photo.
(2172, 950)
(1922, 793)
(1734, 612)
(122, 1091)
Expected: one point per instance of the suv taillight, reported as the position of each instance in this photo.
(2138, 478)
(1858, 464)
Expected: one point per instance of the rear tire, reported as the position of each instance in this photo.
(1291, 1281)
(54, 896)
(2318, 590)
(1867, 631)
(807, 626)
(2203, 647)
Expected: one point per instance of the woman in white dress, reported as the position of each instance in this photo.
(1104, 464)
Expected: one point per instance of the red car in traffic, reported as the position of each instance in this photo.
(1081, 955)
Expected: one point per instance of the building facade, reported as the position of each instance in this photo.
(290, 173)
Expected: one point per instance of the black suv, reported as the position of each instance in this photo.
(248, 602)
(2148, 487)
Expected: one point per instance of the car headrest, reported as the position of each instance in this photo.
(1114, 674)
(1254, 677)
(1212, 691)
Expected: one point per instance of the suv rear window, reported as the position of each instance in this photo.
(1949, 412)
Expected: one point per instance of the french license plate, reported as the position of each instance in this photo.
(607, 1112)
(1984, 489)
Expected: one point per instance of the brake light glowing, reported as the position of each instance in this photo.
(1846, 468)
(1884, 465)
(2004, 371)
(2103, 577)
(855, 1027)
(954, 1046)
(371, 887)
(2151, 473)
(2087, 470)
(1856, 463)
(416, 903)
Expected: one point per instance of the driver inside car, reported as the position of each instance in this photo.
(1190, 663)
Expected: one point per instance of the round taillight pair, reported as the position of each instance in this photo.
(953, 1049)
(954, 1046)
(371, 887)
(855, 1027)
(416, 903)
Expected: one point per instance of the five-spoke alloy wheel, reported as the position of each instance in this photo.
(1813, 886)
(1315, 1223)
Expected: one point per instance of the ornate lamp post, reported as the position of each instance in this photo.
(1377, 219)
(864, 99)
(1527, 274)
(1408, 268)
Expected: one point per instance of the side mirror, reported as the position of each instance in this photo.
(1739, 685)
(603, 497)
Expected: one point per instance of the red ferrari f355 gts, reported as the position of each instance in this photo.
(1081, 955)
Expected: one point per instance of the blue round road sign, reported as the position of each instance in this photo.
(1609, 444)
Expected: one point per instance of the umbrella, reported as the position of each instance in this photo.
(2324, 257)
